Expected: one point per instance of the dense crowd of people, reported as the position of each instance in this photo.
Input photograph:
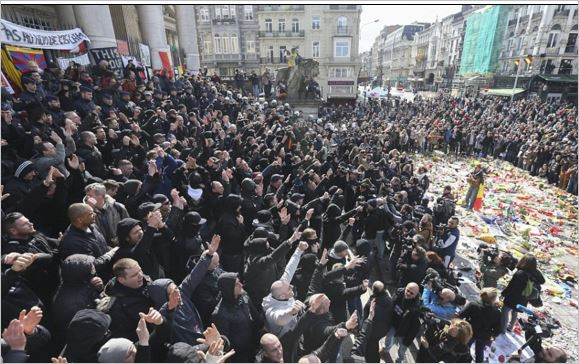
(187, 220)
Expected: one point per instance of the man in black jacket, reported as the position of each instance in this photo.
(127, 300)
(405, 319)
(82, 237)
(485, 319)
(382, 322)
(236, 317)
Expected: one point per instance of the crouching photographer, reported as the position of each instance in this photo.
(535, 331)
(493, 265)
(439, 296)
(448, 345)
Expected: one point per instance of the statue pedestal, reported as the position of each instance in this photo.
(308, 106)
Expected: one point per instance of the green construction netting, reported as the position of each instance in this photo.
(483, 40)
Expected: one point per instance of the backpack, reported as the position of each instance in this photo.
(532, 293)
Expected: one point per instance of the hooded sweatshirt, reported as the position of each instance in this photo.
(142, 252)
(86, 333)
(75, 292)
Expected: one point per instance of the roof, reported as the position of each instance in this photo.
(504, 91)
(559, 78)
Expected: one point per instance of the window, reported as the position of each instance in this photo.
(316, 22)
(225, 12)
(552, 42)
(316, 49)
(250, 45)
(295, 25)
(547, 67)
(281, 25)
(248, 12)
(217, 43)
(282, 54)
(232, 11)
(218, 12)
(268, 25)
(565, 67)
(340, 72)
(226, 45)
(207, 46)
(204, 14)
(342, 25)
(234, 42)
(342, 48)
(270, 54)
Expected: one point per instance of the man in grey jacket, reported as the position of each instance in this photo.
(280, 307)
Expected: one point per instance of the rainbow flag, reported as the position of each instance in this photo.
(478, 202)
(21, 56)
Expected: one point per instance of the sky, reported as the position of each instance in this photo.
(397, 14)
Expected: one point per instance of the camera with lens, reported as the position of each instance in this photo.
(537, 329)
(438, 283)
(490, 253)
(440, 230)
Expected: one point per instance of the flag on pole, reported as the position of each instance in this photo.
(22, 56)
(478, 202)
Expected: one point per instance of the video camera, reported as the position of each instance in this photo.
(439, 283)
(490, 253)
(536, 328)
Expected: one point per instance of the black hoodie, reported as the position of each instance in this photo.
(232, 233)
(237, 319)
(87, 332)
(142, 252)
(75, 292)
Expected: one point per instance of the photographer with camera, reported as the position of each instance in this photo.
(447, 242)
(412, 266)
(438, 299)
(493, 265)
(522, 288)
(449, 345)
(485, 319)
(445, 206)
(534, 340)
(400, 236)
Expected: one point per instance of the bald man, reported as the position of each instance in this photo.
(442, 305)
(83, 237)
(405, 319)
(271, 349)
(280, 307)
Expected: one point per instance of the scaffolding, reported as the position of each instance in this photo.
(483, 39)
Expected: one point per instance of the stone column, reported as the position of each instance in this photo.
(97, 24)
(153, 30)
(187, 32)
(66, 16)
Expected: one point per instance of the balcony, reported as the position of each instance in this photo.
(537, 16)
(563, 13)
(342, 30)
(512, 22)
(280, 8)
(222, 57)
(299, 34)
(524, 18)
(219, 21)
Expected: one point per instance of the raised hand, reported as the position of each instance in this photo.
(154, 219)
(210, 335)
(352, 322)
(355, 262)
(14, 335)
(97, 283)
(73, 161)
(303, 245)
(153, 317)
(324, 258)
(60, 359)
(214, 245)
(4, 195)
(55, 138)
(49, 177)
(295, 236)
(30, 320)
(284, 216)
(142, 332)
(309, 214)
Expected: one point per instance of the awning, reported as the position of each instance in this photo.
(505, 91)
(559, 78)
